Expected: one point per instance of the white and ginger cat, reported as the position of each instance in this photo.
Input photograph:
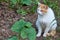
(46, 16)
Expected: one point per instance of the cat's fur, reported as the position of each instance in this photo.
(46, 16)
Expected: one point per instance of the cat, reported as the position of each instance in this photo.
(47, 17)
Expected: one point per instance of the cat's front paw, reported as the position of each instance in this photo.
(44, 35)
(38, 35)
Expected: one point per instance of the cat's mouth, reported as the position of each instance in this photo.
(44, 11)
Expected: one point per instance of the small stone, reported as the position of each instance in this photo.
(1, 24)
(3, 30)
(23, 17)
(2, 21)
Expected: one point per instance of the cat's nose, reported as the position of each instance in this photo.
(41, 10)
(44, 11)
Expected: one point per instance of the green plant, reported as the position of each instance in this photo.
(21, 11)
(20, 2)
(13, 38)
(18, 5)
(51, 3)
(24, 29)
(26, 2)
(33, 9)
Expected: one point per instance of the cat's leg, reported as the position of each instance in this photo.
(54, 25)
(53, 29)
(39, 28)
(47, 29)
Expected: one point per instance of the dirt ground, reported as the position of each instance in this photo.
(8, 17)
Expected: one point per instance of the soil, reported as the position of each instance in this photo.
(8, 17)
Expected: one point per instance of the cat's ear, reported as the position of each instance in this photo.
(39, 3)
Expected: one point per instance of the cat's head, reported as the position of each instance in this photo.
(42, 9)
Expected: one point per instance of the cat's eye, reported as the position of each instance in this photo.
(43, 6)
